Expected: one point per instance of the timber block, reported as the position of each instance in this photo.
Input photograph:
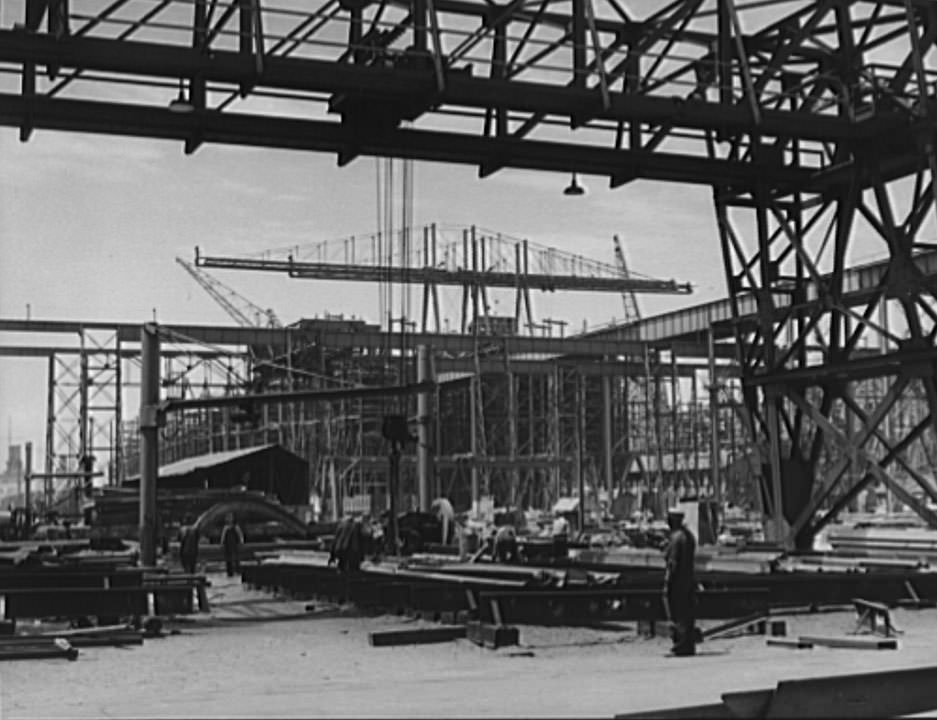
(491, 636)
(796, 643)
(859, 643)
(417, 636)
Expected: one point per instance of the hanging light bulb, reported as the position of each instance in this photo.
(181, 103)
(574, 188)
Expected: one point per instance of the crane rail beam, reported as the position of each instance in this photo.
(437, 276)
(285, 338)
(135, 120)
(240, 401)
(25, 351)
(150, 59)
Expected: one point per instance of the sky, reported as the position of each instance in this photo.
(90, 228)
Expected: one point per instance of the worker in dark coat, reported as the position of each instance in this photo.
(350, 544)
(188, 545)
(231, 540)
(680, 584)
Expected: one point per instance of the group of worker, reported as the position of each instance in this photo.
(355, 539)
(232, 538)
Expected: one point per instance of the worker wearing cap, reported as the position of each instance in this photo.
(680, 584)
(505, 544)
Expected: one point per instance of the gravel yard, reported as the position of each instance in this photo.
(237, 664)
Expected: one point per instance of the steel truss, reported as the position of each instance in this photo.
(814, 341)
(810, 124)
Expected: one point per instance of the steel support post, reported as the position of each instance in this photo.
(50, 433)
(27, 480)
(513, 474)
(149, 441)
(118, 416)
(424, 469)
(607, 434)
(473, 442)
(84, 439)
(715, 459)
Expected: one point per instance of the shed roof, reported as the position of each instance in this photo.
(200, 462)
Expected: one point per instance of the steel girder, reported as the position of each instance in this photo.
(810, 124)
(806, 359)
(695, 91)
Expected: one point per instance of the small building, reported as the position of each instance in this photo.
(270, 469)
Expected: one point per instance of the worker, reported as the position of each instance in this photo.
(505, 545)
(231, 540)
(560, 534)
(188, 544)
(351, 543)
(680, 584)
(442, 508)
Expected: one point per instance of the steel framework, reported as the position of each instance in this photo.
(813, 122)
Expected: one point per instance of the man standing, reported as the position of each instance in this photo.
(231, 540)
(188, 545)
(680, 584)
(351, 543)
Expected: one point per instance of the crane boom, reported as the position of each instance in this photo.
(628, 297)
(243, 311)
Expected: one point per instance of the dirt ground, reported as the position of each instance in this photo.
(249, 658)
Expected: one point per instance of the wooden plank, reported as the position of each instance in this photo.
(416, 636)
(797, 643)
(124, 637)
(41, 649)
(859, 643)
(739, 624)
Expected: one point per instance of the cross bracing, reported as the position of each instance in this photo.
(812, 121)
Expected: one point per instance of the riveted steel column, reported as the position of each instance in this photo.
(607, 432)
(149, 441)
(423, 411)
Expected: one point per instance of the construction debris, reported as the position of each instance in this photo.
(874, 617)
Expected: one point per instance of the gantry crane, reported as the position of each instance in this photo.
(242, 310)
(628, 297)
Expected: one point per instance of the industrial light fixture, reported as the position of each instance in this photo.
(181, 104)
(574, 188)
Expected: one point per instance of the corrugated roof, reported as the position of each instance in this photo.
(183, 467)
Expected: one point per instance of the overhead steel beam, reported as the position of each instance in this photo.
(323, 136)
(422, 275)
(258, 400)
(147, 59)
(858, 284)
(547, 367)
(12, 351)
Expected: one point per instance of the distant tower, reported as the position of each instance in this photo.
(14, 469)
